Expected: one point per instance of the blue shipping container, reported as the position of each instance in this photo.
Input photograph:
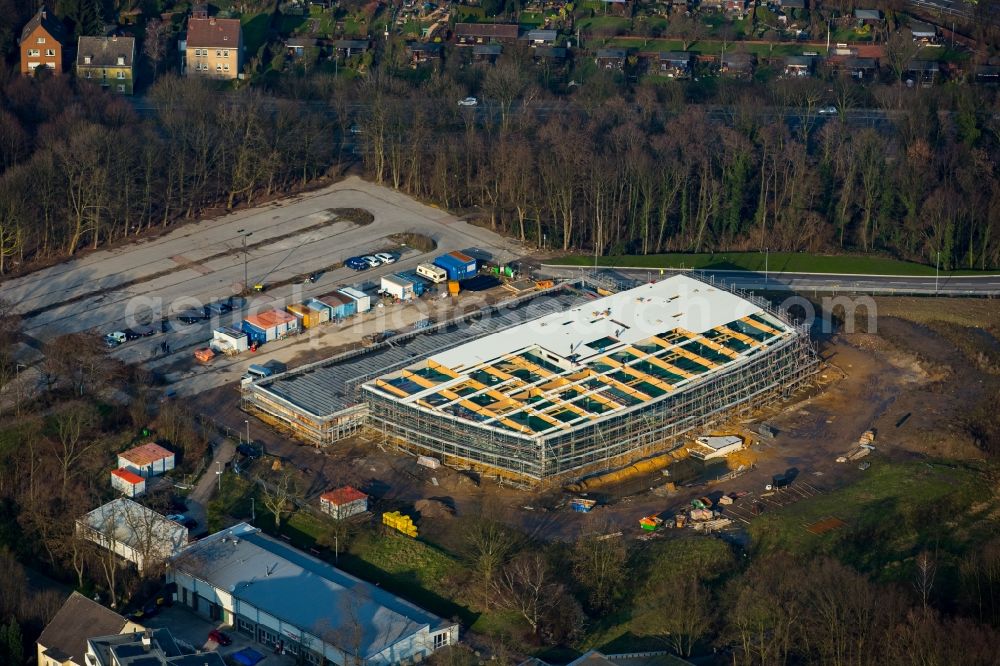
(419, 283)
(458, 266)
(254, 334)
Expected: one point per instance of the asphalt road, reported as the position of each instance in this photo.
(203, 262)
(987, 286)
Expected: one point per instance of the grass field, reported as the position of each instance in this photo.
(777, 262)
(254, 32)
(890, 511)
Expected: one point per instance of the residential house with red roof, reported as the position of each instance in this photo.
(214, 48)
(41, 43)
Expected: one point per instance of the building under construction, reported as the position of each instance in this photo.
(558, 385)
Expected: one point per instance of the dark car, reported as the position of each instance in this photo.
(190, 317)
(131, 334)
(248, 451)
(313, 277)
(190, 523)
(357, 263)
(218, 637)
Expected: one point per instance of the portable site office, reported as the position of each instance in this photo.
(321, 309)
(362, 300)
(269, 325)
(339, 305)
(398, 287)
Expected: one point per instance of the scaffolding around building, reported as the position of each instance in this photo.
(649, 426)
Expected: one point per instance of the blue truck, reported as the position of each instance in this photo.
(458, 265)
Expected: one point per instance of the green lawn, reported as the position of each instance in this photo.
(606, 23)
(890, 511)
(777, 262)
(254, 31)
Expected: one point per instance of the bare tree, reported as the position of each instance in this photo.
(488, 543)
(525, 587)
(278, 496)
(900, 50)
(72, 423)
(924, 577)
(155, 42)
(599, 565)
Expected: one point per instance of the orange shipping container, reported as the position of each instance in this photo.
(308, 316)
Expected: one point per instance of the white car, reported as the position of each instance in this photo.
(373, 261)
(828, 111)
(468, 101)
(385, 257)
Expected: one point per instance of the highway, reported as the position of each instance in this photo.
(882, 285)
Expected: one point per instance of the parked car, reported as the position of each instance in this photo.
(386, 257)
(115, 338)
(372, 260)
(217, 636)
(248, 451)
(190, 523)
(828, 111)
(177, 517)
(313, 277)
(356, 263)
(468, 101)
(190, 317)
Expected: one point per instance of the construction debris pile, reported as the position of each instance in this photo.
(865, 445)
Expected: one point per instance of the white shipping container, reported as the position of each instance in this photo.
(229, 341)
(363, 300)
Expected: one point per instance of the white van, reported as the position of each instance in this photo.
(435, 274)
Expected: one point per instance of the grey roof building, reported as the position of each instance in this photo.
(155, 647)
(288, 600)
(64, 639)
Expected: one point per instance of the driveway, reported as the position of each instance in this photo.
(201, 494)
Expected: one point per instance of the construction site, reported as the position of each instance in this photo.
(582, 376)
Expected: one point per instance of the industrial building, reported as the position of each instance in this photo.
(573, 383)
(296, 604)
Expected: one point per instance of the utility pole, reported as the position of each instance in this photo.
(246, 279)
(766, 253)
(218, 473)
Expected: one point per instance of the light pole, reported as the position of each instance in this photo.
(218, 473)
(247, 422)
(245, 235)
(937, 269)
(253, 509)
(767, 251)
(336, 549)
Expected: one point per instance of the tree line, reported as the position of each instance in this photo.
(650, 174)
(606, 170)
(81, 168)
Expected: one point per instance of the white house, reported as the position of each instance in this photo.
(297, 604)
(343, 502)
(127, 482)
(133, 532)
(147, 460)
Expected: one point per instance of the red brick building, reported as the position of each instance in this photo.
(42, 42)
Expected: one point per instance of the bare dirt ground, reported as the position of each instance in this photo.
(914, 379)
